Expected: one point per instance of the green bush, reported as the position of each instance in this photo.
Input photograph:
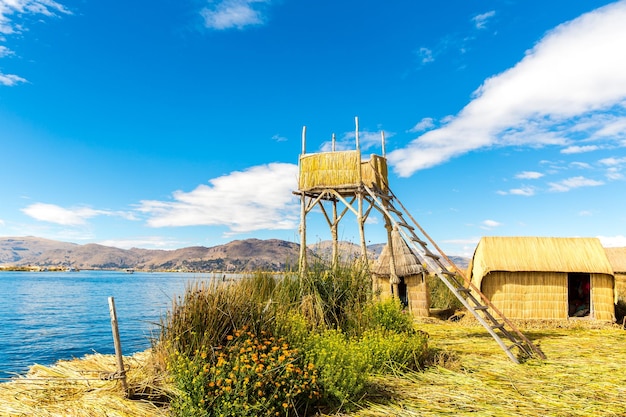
(343, 367)
(390, 315)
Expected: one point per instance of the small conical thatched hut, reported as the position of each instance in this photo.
(617, 259)
(545, 278)
(401, 275)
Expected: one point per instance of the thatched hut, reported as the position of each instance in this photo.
(617, 259)
(545, 278)
(399, 273)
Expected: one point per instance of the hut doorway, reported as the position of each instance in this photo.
(578, 294)
(402, 293)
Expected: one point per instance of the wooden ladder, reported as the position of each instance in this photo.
(499, 327)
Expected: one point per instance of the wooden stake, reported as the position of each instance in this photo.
(356, 134)
(118, 346)
(303, 140)
(333, 142)
(382, 135)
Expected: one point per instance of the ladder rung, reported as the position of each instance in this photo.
(515, 344)
(418, 240)
(463, 289)
(498, 326)
(404, 224)
(432, 255)
(391, 208)
(481, 308)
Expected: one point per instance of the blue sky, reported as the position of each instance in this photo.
(177, 123)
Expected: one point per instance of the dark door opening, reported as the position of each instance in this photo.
(578, 294)
(402, 294)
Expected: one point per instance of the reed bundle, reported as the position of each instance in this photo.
(83, 387)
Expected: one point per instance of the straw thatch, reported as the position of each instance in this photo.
(340, 170)
(527, 277)
(408, 270)
(617, 259)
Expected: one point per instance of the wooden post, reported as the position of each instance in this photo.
(361, 221)
(333, 142)
(382, 135)
(335, 237)
(118, 346)
(303, 140)
(302, 262)
(356, 134)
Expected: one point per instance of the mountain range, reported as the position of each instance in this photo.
(235, 256)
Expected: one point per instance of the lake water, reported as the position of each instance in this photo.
(48, 316)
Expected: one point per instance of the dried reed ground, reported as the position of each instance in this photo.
(584, 375)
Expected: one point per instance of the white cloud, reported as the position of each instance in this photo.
(579, 149)
(613, 241)
(59, 215)
(279, 138)
(259, 198)
(10, 80)
(490, 224)
(1, 222)
(76, 216)
(425, 55)
(11, 13)
(574, 182)
(480, 21)
(613, 161)
(4, 51)
(529, 175)
(524, 191)
(148, 242)
(227, 14)
(424, 124)
(577, 71)
(614, 174)
(580, 165)
(18, 8)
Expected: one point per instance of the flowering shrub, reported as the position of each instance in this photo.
(251, 376)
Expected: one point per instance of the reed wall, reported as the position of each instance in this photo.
(343, 169)
(528, 295)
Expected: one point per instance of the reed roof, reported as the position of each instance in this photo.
(538, 254)
(617, 259)
(406, 263)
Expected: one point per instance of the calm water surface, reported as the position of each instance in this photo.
(47, 316)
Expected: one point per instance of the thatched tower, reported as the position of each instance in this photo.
(617, 259)
(545, 278)
(328, 178)
(398, 273)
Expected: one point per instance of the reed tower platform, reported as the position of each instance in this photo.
(339, 182)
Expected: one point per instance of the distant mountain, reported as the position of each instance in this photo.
(239, 255)
(236, 256)
(14, 249)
